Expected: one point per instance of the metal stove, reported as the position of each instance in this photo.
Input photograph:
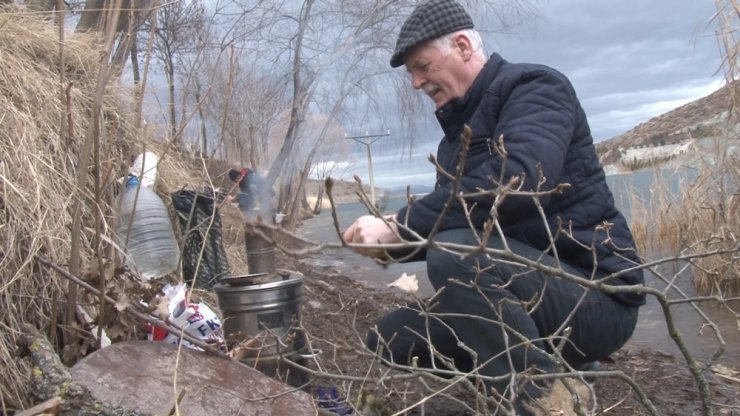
(262, 310)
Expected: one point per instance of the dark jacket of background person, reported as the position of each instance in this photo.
(536, 110)
(249, 188)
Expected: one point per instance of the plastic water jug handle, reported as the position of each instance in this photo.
(132, 181)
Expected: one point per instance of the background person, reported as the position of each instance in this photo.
(504, 318)
(248, 182)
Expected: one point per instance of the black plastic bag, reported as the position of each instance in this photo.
(200, 223)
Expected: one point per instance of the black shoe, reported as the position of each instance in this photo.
(592, 366)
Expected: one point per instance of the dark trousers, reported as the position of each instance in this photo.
(483, 304)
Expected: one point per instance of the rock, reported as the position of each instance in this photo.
(51, 381)
(140, 375)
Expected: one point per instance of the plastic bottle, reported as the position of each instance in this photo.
(144, 167)
(145, 231)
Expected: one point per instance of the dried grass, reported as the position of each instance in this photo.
(35, 168)
(38, 170)
(714, 221)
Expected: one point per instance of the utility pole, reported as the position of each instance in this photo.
(367, 140)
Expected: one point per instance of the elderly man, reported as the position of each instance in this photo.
(501, 320)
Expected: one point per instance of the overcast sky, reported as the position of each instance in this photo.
(628, 60)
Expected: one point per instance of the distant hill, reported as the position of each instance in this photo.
(666, 136)
(698, 119)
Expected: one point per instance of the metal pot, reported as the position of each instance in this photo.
(261, 320)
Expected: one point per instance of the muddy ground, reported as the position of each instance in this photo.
(338, 311)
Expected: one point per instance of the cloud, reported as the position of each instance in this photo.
(628, 61)
(624, 58)
(620, 112)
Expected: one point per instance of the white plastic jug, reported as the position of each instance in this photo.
(145, 230)
(145, 168)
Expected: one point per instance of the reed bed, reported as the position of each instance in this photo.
(699, 218)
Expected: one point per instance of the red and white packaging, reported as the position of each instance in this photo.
(197, 320)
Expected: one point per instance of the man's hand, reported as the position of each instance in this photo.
(372, 230)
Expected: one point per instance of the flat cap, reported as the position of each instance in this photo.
(429, 20)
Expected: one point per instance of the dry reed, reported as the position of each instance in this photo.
(704, 217)
(714, 222)
(698, 217)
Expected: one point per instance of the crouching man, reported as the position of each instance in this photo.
(509, 316)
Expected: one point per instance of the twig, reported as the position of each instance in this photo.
(148, 318)
(47, 407)
(735, 379)
(329, 185)
(91, 137)
(180, 396)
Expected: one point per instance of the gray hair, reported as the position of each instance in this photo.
(445, 43)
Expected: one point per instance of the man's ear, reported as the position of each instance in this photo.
(463, 46)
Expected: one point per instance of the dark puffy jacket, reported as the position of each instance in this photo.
(544, 130)
(250, 185)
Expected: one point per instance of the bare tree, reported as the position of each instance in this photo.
(177, 31)
(95, 12)
(325, 136)
(219, 78)
(94, 16)
(322, 39)
(329, 136)
(242, 107)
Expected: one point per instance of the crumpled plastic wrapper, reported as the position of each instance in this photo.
(407, 283)
(197, 320)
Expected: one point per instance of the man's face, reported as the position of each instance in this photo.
(439, 72)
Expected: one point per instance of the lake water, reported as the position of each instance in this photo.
(639, 186)
(651, 331)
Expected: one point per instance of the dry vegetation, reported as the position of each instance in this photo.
(39, 193)
(38, 190)
(699, 219)
(37, 169)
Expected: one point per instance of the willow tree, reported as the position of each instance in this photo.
(314, 43)
(326, 50)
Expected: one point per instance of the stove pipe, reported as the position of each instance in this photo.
(254, 202)
(260, 248)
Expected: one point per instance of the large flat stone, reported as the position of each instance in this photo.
(140, 376)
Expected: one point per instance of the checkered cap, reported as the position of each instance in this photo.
(430, 20)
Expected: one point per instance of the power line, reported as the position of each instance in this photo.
(368, 139)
